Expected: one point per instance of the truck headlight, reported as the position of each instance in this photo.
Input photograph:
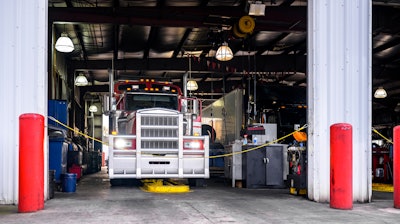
(193, 144)
(122, 143)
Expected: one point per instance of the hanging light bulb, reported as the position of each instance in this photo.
(64, 43)
(224, 53)
(81, 80)
(192, 85)
(93, 108)
(380, 93)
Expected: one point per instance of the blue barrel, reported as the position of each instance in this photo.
(69, 182)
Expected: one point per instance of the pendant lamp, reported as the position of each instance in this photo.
(224, 53)
(380, 93)
(64, 44)
(93, 108)
(81, 80)
(192, 85)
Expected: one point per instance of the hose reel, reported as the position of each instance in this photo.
(244, 27)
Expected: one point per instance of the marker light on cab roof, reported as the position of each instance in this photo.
(166, 88)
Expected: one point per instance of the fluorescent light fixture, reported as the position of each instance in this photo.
(81, 80)
(256, 8)
(93, 108)
(64, 43)
(224, 53)
(192, 85)
(380, 93)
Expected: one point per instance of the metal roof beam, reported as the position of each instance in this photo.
(263, 64)
(180, 45)
(201, 16)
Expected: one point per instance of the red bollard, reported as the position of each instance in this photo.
(396, 166)
(31, 163)
(341, 171)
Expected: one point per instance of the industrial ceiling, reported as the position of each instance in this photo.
(170, 38)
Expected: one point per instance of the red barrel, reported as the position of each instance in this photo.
(396, 166)
(31, 163)
(341, 170)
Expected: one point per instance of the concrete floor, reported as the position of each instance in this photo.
(96, 202)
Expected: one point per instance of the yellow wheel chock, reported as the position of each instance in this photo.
(382, 187)
(164, 186)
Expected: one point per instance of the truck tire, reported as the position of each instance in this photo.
(115, 182)
(208, 130)
(197, 182)
(125, 182)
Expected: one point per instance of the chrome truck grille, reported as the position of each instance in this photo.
(159, 120)
(159, 131)
(159, 151)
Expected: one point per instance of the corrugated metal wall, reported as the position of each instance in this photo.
(339, 90)
(225, 116)
(23, 86)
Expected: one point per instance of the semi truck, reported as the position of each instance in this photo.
(155, 132)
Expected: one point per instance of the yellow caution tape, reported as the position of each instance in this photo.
(377, 132)
(260, 146)
(211, 157)
(280, 139)
(75, 131)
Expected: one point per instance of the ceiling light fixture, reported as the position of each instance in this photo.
(224, 52)
(192, 85)
(93, 108)
(256, 8)
(380, 93)
(81, 80)
(64, 43)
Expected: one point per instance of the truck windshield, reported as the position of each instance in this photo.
(142, 101)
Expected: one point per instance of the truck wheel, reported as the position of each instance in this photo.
(125, 182)
(197, 182)
(115, 182)
(208, 130)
